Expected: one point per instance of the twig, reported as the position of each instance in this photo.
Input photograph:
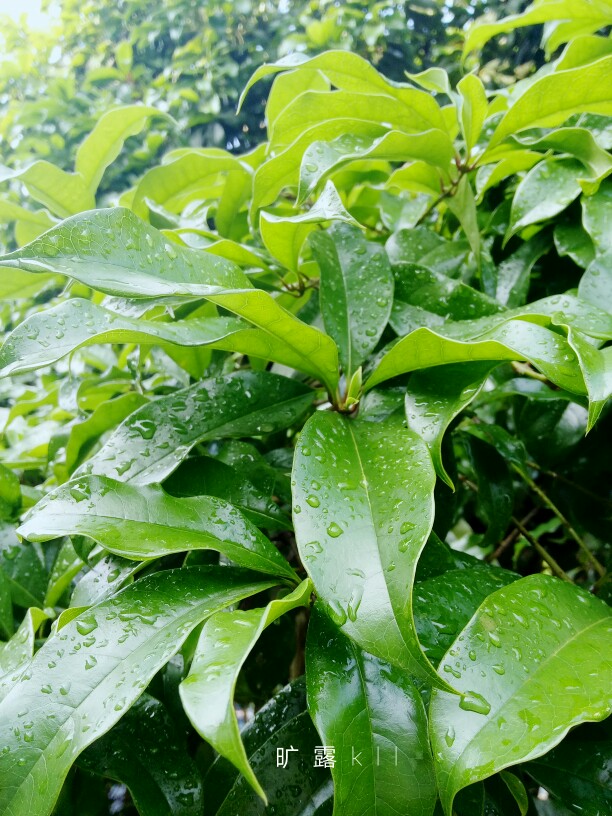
(545, 556)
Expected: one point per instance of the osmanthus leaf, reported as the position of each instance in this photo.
(436, 396)
(108, 574)
(290, 84)
(24, 566)
(153, 440)
(146, 752)
(208, 476)
(321, 158)
(350, 72)
(194, 175)
(356, 291)
(578, 769)
(596, 365)
(283, 168)
(419, 113)
(544, 648)
(373, 714)
(554, 97)
(596, 213)
(473, 108)
(102, 146)
(17, 652)
(588, 13)
(145, 522)
(443, 604)
(495, 489)
(86, 675)
(6, 606)
(29, 224)
(596, 283)
(305, 790)
(107, 415)
(113, 251)
(546, 190)
(284, 235)
(513, 340)
(490, 175)
(207, 693)
(64, 194)
(47, 336)
(362, 512)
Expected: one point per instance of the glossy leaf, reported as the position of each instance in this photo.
(543, 647)
(544, 192)
(162, 782)
(283, 722)
(360, 531)
(17, 652)
(435, 397)
(62, 193)
(373, 715)
(152, 441)
(284, 235)
(443, 604)
(556, 96)
(356, 292)
(145, 522)
(208, 690)
(473, 108)
(108, 655)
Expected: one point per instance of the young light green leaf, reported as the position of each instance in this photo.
(363, 509)
(64, 194)
(473, 108)
(596, 214)
(373, 714)
(543, 647)
(102, 146)
(153, 440)
(109, 654)
(554, 97)
(356, 291)
(162, 782)
(320, 159)
(435, 397)
(284, 235)
(207, 693)
(145, 522)
(545, 191)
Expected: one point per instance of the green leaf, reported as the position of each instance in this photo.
(363, 509)
(320, 158)
(595, 285)
(596, 214)
(24, 566)
(473, 108)
(64, 194)
(356, 291)
(207, 693)
(6, 606)
(152, 441)
(207, 476)
(443, 604)
(106, 416)
(16, 653)
(495, 490)
(145, 522)
(577, 770)
(543, 647)
(86, 675)
(435, 397)
(284, 235)
(583, 11)
(108, 574)
(115, 252)
(512, 340)
(146, 752)
(102, 146)
(373, 715)
(546, 190)
(283, 722)
(554, 97)
(463, 205)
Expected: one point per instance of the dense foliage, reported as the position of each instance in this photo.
(297, 437)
